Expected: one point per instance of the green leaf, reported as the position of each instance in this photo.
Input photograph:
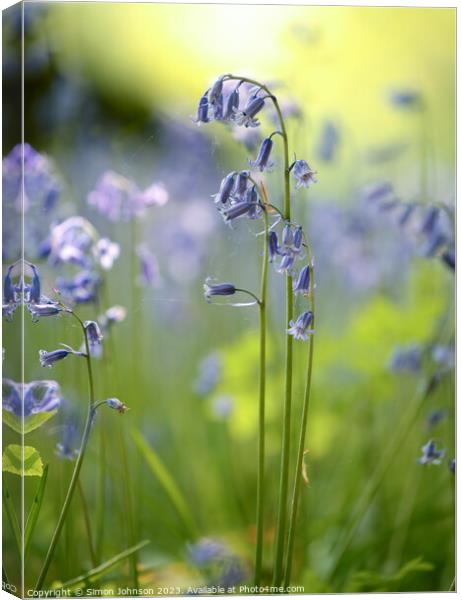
(160, 471)
(30, 423)
(93, 574)
(35, 510)
(12, 461)
(11, 515)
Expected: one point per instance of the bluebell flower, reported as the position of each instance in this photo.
(117, 405)
(48, 359)
(430, 454)
(435, 241)
(286, 264)
(255, 209)
(232, 104)
(226, 188)
(210, 371)
(8, 288)
(452, 466)
(302, 285)
(273, 246)
(232, 573)
(223, 406)
(30, 398)
(429, 221)
(263, 163)
(405, 98)
(217, 108)
(120, 199)
(44, 310)
(114, 314)
(435, 417)
(406, 214)
(449, 258)
(81, 289)
(34, 289)
(240, 186)
(203, 110)
(407, 358)
(218, 289)
(66, 448)
(246, 117)
(303, 173)
(375, 192)
(149, 267)
(300, 328)
(287, 236)
(93, 333)
(71, 242)
(240, 209)
(105, 253)
(328, 141)
(216, 91)
(8, 311)
(444, 355)
(205, 551)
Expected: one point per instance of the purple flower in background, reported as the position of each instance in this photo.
(80, 289)
(42, 189)
(210, 371)
(39, 397)
(407, 358)
(66, 448)
(405, 98)
(430, 454)
(149, 267)
(223, 406)
(303, 173)
(205, 551)
(120, 199)
(300, 328)
(71, 242)
(328, 142)
(105, 253)
(114, 314)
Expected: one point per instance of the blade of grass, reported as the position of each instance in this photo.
(160, 471)
(94, 574)
(35, 510)
(12, 518)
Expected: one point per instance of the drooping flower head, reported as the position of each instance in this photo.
(300, 329)
(263, 162)
(117, 405)
(303, 173)
(430, 454)
(302, 285)
(48, 359)
(247, 116)
(218, 289)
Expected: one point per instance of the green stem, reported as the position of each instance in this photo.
(86, 517)
(285, 455)
(301, 444)
(78, 464)
(261, 413)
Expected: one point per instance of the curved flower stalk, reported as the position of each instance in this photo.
(20, 292)
(241, 101)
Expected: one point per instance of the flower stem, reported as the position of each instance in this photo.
(261, 412)
(301, 443)
(86, 517)
(78, 464)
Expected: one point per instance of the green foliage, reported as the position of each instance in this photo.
(29, 423)
(369, 581)
(22, 460)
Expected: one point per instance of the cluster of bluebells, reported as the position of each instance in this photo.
(238, 196)
(120, 199)
(218, 563)
(76, 244)
(428, 224)
(38, 200)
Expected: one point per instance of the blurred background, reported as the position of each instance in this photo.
(369, 98)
